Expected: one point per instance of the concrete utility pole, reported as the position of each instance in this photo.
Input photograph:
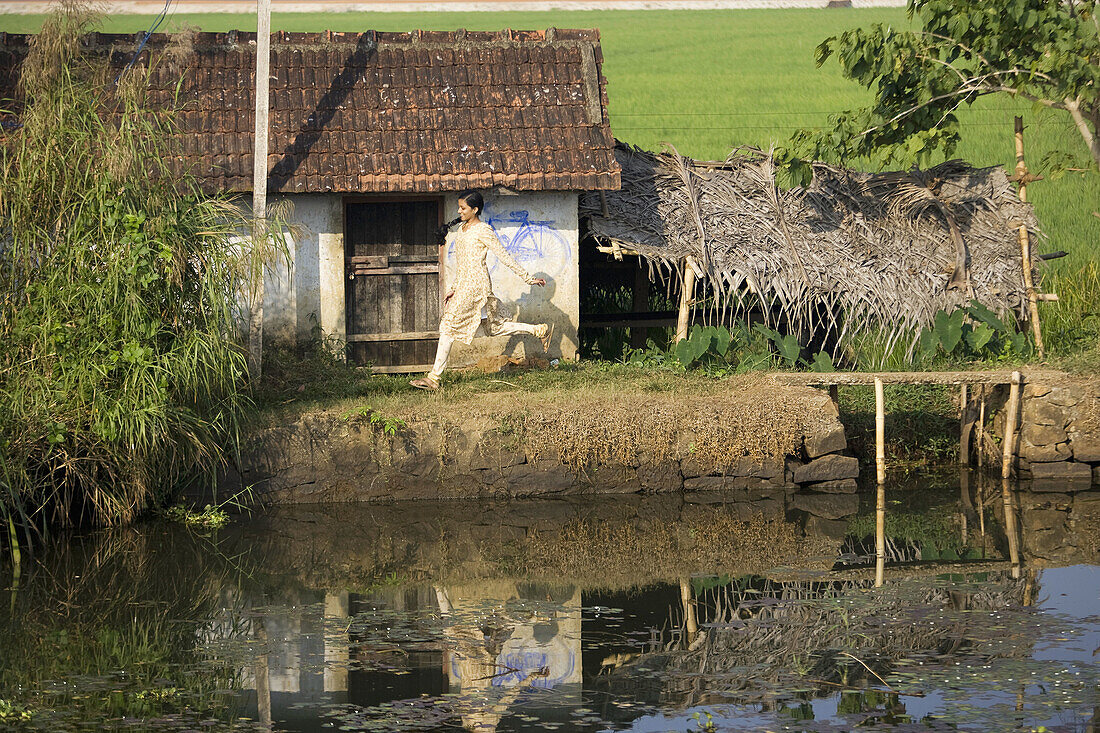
(259, 187)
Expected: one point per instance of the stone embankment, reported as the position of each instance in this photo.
(1059, 434)
(777, 448)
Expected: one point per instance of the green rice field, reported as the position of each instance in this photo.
(707, 81)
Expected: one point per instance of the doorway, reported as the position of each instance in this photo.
(392, 262)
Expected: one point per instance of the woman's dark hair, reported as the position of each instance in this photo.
(473, 200)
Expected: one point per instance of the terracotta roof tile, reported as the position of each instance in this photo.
(385, 112)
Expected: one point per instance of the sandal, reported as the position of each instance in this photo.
(545, 338)
(425, 383)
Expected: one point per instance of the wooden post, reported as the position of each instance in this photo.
(261, 674)
(1011, 533)
(880, 433)
(880, 492)
(1022, 179)
(640, 304)
(691, 623)
(687, 295)
(981, 428)
(1011, 416)
(880, 535)
(967, 505)
(259, 186)
(964, 426)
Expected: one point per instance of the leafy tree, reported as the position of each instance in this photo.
(1044, 51)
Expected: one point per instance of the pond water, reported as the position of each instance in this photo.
(659, 613)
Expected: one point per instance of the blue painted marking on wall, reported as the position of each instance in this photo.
(536, 244)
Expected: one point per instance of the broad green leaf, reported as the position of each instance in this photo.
(928, 342)
(981, 313)
(949, 329)
(979, 336)
(822, 362)
(789, 349)
(722, 339)
(685, 352)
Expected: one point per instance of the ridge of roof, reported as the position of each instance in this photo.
(416, 38)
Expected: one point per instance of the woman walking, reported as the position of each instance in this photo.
(471, 291)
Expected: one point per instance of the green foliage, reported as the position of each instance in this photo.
(212, 516)
(722, 351)
(388, 425)
(14, 713)
(121, 375)
(971, 332)
(922, 423)
(1045, 52)
(786, 345)
(1071, 325)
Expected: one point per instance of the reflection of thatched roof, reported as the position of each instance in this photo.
(751, 643)
(853, 248)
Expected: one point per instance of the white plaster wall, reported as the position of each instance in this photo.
(540, 231)
(311, 289)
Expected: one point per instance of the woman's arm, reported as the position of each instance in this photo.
(489, 237)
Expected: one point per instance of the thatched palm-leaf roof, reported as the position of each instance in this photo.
(853, 250)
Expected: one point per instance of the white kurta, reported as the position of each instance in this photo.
(472, 289)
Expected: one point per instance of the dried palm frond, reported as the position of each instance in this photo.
(851, 253)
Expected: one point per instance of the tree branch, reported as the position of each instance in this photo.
(1074, 108)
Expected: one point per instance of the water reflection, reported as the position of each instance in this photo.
(632, 613)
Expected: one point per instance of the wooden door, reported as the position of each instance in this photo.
(392, 265)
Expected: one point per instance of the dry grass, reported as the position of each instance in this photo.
(588, 415)
(746, 417)
(850, 254)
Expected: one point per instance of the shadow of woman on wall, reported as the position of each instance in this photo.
(537, 306)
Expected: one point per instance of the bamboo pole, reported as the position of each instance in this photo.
(964, 426)
(1011, 533)
(880, 492)
(261, 674)
(687, 295)
(880, 433)
(691, 623)
(880, 535)
(981, 428)
(1022, 178)
(967, 504)
(1011, 416)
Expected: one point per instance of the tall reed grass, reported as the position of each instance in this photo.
(121, 375)
(1071, 326)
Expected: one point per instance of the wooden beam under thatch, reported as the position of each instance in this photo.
(854, 251)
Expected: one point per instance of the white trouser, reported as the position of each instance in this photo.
(508, 328)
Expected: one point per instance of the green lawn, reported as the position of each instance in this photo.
(707, 81)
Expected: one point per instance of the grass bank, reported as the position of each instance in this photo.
(922, 424)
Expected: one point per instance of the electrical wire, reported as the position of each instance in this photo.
(141, 46)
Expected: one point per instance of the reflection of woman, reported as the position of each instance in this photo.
(475, 650)
(472, 291)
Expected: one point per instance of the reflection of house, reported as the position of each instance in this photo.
(486, 646)
(372, 135)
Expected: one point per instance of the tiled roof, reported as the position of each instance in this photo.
(425, 111)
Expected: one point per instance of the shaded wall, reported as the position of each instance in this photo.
(538, 229)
